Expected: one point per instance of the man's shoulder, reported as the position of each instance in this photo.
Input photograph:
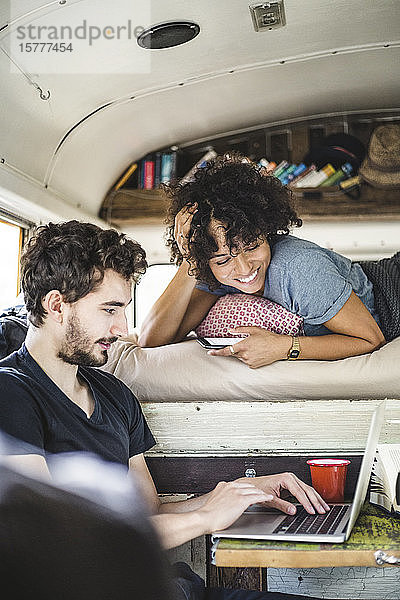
(11, 367)
(10, 361)
(15, 382)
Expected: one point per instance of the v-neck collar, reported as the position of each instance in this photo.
(42, 377)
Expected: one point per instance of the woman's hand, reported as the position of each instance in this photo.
(183, 222)
(288, 483)
(259, 348)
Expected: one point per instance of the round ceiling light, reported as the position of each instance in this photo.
(167, 35)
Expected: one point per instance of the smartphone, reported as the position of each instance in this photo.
(216, 343)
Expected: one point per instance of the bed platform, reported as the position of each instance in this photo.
(215, 419)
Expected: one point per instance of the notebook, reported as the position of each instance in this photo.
(263, 523)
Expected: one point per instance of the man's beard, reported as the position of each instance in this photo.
(78, 349)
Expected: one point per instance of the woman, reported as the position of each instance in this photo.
(228, 232)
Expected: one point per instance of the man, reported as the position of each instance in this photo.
(76, 280)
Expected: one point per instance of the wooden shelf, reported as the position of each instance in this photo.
(125, 207)
(313, 204)
(139, 207)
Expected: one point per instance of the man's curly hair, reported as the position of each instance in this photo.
(251, 205)
(71, 257)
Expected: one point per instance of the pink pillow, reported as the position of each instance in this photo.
(250, 311)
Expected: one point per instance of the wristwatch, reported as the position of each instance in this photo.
(294, 351)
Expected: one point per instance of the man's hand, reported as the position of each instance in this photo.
(288, 483)
(259, 348)
(228, 501)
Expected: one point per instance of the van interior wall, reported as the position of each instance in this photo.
(329, 57)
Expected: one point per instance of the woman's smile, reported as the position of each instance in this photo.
(245, 268)
(250, 278)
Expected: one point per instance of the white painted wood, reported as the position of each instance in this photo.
(229, 428)
(358, 583)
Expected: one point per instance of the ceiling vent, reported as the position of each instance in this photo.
(268, 15)
(167, 35)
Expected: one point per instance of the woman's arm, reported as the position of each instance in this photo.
(354, 329)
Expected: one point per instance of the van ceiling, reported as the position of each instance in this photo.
(330, 57)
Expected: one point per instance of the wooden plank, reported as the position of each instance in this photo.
(124, 205)
(373, 531)
(313, 204)
(198, 475)
(265, 428)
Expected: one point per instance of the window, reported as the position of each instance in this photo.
(11, 240)
(151, 286)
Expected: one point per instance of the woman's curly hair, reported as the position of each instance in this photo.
(71, 257)
(235, 191)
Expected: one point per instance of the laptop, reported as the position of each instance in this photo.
(263, 523)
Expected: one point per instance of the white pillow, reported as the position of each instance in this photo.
(184, 371)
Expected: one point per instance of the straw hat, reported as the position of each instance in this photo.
(381, 168)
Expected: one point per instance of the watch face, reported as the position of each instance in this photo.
(294, 354)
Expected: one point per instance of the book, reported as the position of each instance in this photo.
(385, 478)
(289, 169)
(166, 167)
(148, 168)
(209, 155)
(349, 184)
(294, 174)
(157, 169)
(314, 179)
(303, 174)
(280, 168)
(126, 175)
(343, 173)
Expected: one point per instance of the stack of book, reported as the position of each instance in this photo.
(148, 173)
(302, 176)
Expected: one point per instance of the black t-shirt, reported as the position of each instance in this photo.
(35, 411)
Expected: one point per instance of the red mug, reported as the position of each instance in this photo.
(328, 476)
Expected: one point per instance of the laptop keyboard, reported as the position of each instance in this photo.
(303, 522)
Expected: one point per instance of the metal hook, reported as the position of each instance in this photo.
(43, 95)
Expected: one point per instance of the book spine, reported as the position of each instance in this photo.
(263, 162)
(148, 174)
(285, 174)
(303, 174)
(140, 168)
(199, 165)
(166, 167)
(269, 166)
(349, 184)
(337, 177)
(173, 165)
(305, 177)
(295, 173)
(280, 168)
(315, 179)
(125, 176)
(157, 169)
